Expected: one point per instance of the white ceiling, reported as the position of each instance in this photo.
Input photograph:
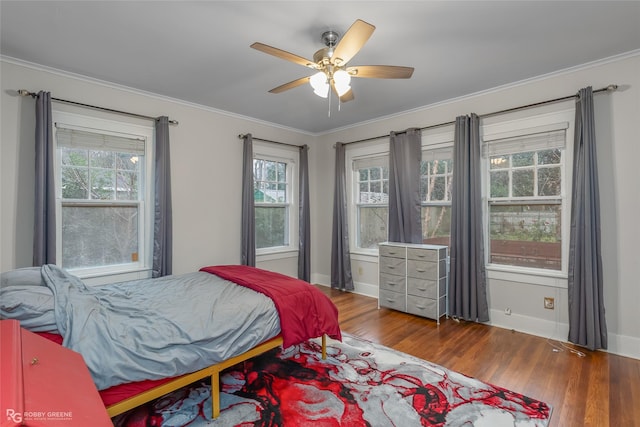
(198, 51)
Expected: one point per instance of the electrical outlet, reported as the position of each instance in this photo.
(549, 303)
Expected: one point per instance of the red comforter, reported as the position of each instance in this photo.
(304, 311)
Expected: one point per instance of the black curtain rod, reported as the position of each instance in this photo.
(241, 136)
(610, 88)
(24, 92)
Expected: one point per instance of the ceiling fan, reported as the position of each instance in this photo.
(331, 63)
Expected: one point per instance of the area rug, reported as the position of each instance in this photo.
(359, 384)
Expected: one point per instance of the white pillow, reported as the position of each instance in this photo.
(25, 297)
(29, 276)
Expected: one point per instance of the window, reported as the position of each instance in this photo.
(525, 192)
(436, 174)
(102, 171)
(371, 179)
(275, 210)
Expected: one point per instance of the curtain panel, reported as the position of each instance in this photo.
(467, 282)
(304, 224)
(587, 325)
(248, 232)
(163, 214)
(44, 229)
(341, 277)
(405, 152)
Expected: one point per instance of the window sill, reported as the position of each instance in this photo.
(555, 279)
(276, 254)
(364, 255)
(115, 276)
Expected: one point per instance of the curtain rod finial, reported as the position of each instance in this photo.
(612, 88)
(24, 92)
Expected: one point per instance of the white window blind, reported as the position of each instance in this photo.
(75, 138)
(370, 162)
(445, 153)
(524, 143)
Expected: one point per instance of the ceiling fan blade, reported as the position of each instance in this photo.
(352, 41)
(380, 71)
(346, 97)
(290, 85)
(283, 54)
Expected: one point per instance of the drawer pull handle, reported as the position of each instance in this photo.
(420, 270)
(421, 307)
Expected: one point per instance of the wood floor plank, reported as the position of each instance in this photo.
(599, 389)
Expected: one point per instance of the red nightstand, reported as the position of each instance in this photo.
(45, 384)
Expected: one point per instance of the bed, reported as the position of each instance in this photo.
(145, 338)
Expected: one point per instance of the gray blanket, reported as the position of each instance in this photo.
(158, 328)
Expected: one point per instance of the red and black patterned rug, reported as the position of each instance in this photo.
(359, 384)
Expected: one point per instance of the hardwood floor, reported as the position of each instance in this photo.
(598, 389)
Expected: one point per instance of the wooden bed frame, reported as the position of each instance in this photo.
(211, 371)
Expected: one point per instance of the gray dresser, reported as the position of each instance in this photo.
(413, 278)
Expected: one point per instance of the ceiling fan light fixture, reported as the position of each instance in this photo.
(331, 63)
(320, 84)
(341, 81)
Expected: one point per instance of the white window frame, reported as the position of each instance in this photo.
(432, 139)
(291, 157)
(352, 154)
(512, 126)
(436, 140)
(130, 271)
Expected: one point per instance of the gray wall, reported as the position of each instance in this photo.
(206, 155)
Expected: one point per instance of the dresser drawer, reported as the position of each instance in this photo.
(423, 254)
(389, 265)
(426, 269)
(426, 307)
(392, 251)
(394, 300)
(393, 283)
(426, 288)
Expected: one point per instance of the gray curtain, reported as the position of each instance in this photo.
(44, 230)
(405, 154)
(163, 216)
(304, 222)
(587, 325)
(467, 283)
(341, 277)
(248, 234)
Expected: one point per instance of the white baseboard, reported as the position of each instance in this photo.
(529, 325)
(365, 289)
(620, 345)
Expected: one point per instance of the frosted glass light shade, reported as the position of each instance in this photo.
(319, 84)
(341, 80)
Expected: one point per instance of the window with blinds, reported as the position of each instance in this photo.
(101, 193)
(525, 189)
(271, 202)
(436, 174)
(275, 183)
(371, 200)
